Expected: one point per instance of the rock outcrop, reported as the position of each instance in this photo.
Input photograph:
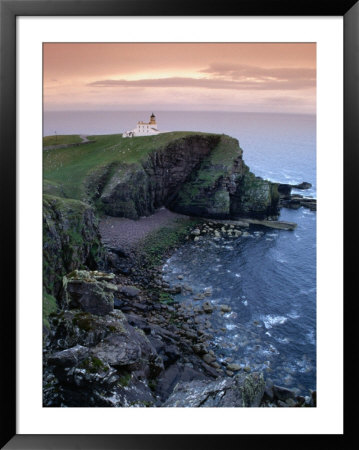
(295, 201)
(92, 292)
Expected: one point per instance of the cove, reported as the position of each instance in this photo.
(262, 289)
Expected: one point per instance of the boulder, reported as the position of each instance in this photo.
(226, 308)
(208, 358)
(176, 373)
(200, 349)
(129, 291)
(69, 357)
(118, 350)
(207, 307)
(239, 391)
(233, 367)
(282, 393)
(89, 291)
(91, 374)
(75, 327)
(131, 350)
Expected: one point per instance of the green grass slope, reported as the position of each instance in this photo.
(67, 170)
(61, 139)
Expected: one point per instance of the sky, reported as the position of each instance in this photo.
(245, 77)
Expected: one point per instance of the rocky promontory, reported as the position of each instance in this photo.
(197, 174)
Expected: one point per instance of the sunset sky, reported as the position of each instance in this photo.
(186, 77)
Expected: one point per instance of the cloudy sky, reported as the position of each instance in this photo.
(187, 77)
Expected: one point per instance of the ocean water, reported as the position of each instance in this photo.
(269, 278)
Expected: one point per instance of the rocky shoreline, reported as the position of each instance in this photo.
(122, 340)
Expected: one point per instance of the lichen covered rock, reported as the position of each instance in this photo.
(241, 391)
(99, 361)
(89, 291)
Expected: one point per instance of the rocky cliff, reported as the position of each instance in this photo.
(199, 175)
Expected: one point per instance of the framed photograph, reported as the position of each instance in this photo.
(171, 280)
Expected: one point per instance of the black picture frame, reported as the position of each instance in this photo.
(9, 10)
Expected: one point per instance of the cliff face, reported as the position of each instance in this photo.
(70, 240)
(199, 175)
(254, 197)
(138, 189)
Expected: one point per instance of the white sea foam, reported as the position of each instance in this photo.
(231, 315)
(282, 340)
(270, 320)
(273, 350)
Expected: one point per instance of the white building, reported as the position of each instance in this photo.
(144, 128)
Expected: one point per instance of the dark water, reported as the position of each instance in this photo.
(269, 278)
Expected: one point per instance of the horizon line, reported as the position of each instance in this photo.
(179, 111)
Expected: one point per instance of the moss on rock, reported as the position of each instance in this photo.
(49, 306)
(71, 240)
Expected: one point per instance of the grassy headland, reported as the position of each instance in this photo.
(61, 139)
(69, 168)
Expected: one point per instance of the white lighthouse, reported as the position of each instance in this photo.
(144, 128)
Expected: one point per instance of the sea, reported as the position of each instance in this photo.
(268, 278)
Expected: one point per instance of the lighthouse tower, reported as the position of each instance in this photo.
(153, 120)
(144, 128)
